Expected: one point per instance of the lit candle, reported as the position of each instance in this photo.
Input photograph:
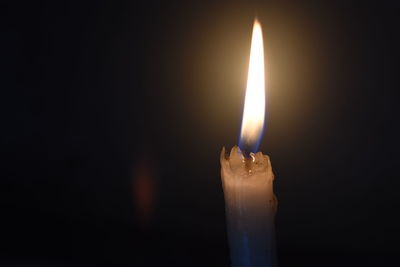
(247, 176)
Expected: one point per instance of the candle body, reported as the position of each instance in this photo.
(250, 206)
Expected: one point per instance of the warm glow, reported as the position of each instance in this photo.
(254, 105)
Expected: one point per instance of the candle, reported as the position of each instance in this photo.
(247, 176)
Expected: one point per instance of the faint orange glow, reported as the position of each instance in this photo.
(144, 192)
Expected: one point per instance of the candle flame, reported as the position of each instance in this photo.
(254, 105)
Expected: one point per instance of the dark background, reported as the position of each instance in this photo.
(114, 114)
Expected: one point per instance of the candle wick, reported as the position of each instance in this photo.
(247, 148)
(246, 151)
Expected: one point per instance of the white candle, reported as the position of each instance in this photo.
(250, 207)
(248, 180)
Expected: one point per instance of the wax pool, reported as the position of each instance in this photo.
(250, 206)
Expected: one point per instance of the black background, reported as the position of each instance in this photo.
(109, 106)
